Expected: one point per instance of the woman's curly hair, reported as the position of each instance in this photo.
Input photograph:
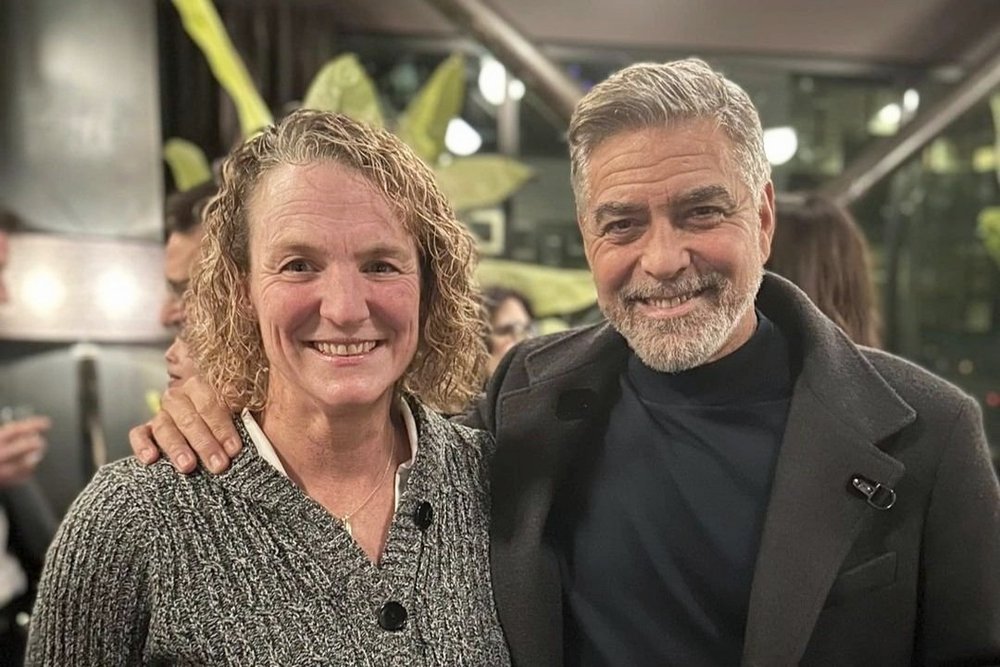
(448, 367)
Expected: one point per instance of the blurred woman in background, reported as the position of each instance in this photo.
(819, 247)
(511, 320)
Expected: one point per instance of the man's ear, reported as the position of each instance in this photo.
(580, 226)
(766, 214)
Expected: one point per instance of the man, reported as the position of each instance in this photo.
(26, 521)
(183, 222)
(717, 475)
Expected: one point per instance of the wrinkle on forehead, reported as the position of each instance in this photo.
(634, 161)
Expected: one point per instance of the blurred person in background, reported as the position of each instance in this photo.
(183, 213)
(819, 247)
(511, 320)
(334, 309)
(26, 521)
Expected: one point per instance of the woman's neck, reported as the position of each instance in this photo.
(331, 446)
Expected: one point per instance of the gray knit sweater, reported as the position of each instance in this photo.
(151, 567)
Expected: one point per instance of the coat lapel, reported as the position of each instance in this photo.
(538, 430)
(841, 410)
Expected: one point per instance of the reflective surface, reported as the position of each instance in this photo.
(79, 116)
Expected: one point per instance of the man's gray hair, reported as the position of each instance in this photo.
(648, 95)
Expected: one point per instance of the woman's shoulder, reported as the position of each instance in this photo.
(127, 488)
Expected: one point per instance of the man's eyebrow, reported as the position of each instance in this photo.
(703, 195)
(615, 209)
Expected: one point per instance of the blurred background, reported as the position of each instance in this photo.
(890, 107)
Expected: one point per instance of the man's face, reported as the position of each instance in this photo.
(178, 260)
(4, 249)
(676, 242)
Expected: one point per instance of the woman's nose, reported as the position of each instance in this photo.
(345, 299)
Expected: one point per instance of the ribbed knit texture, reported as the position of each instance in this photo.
(151, 567)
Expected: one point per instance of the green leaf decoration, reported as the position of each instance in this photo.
(202, 23)
(425, 120)
(552, 291)
(988, 229)
(187, 163)
(344, 86)
(481, 180)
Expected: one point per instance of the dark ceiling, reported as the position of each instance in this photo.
(919, 33)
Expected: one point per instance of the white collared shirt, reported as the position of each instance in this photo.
(266, 450)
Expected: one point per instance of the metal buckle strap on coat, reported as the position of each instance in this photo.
(878, 496)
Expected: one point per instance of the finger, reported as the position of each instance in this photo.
(18, 468)
(14, 473)
(26, 426)
(186, 433)
(140, 439)
(218, 417)
(14, 449)
(172, 443)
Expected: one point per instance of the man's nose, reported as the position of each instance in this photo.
(665, 252)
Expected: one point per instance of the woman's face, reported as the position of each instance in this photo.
(511, 324)
(335, 282)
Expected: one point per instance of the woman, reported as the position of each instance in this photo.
(819, 247)
(511, 321)
(332, 272)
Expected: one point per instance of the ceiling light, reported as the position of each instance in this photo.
(780, 144)
(492, 80)
(461, 138)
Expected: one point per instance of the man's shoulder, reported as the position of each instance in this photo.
(916, 385)
(572, 347)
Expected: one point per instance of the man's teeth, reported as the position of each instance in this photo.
(672, 302)
(342, 350)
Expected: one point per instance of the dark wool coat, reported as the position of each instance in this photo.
(837, 581)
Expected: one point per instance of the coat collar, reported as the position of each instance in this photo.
(841, 412)
(572, 382)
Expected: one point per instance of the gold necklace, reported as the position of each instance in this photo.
(346, 519)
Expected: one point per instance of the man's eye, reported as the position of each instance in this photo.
(707, 213)
(619, 226)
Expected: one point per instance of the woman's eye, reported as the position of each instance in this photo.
(296, 266)
(381, 267)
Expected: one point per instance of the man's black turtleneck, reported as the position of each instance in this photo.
(659, 537)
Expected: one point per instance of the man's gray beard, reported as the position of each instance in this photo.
(680, 343)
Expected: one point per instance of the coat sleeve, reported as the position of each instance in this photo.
(92, 606)
(960, 611)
